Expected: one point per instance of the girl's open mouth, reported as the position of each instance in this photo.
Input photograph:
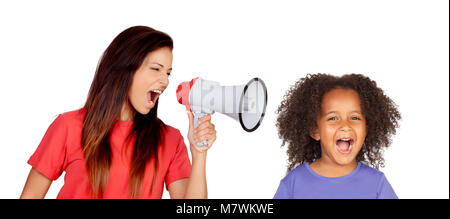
(344, 145)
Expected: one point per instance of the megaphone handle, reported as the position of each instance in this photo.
(197, 116)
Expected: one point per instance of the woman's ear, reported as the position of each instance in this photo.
(314, 133)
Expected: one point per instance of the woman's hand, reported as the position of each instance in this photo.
(204, 131)
(195, 187)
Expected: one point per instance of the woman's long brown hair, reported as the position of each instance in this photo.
(108, 93)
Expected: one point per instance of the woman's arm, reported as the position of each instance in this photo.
(36, 186)
(195, 186)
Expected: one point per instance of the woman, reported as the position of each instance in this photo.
(116, 146)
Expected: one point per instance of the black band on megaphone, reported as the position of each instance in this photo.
(264, 108)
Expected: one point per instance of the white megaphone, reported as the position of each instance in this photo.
(244, 103)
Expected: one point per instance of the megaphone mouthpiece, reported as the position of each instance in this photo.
(183, 90)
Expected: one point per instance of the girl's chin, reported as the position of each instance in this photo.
(344, 159)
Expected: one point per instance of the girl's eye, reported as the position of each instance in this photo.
(332, 118)
(355, 118)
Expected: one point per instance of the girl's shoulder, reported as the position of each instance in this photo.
(298, 172)
(366, 169)
(370, 172)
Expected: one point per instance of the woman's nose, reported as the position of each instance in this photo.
(164, 80)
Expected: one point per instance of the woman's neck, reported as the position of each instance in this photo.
(126, 113)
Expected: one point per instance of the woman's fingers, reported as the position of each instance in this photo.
(207, 136)
(203, 126)
(207, 117)
(204, 130)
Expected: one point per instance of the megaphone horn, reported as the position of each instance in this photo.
(244, 103)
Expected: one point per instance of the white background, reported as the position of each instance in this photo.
(49, 51)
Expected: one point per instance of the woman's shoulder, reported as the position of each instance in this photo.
(77, 115)
(71, 118)
(171, 131)
(173, 140)
(172, 135)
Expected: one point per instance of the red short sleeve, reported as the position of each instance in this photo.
(49, 157)
(180, 166)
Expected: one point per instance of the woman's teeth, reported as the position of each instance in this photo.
(152, 96)
(149, 97)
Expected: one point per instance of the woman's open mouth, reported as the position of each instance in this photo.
(152, 96)
(344, 145)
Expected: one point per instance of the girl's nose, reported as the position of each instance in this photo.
(344, 126)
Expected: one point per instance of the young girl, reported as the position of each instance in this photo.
(335, 127)
(116, 146)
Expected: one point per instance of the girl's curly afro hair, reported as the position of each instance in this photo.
(297, 115)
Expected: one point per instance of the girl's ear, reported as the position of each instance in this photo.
(314, 133)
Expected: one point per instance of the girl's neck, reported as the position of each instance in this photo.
(329, 168)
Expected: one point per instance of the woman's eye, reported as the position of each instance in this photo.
(168, 73)
(156, 69)
(355, 118)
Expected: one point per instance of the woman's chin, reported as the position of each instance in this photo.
(144, 110)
